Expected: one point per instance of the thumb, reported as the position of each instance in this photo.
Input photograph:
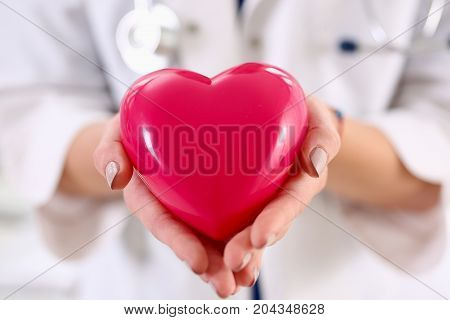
(322, 141)
(110, 158)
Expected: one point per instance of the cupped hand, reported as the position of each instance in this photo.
(236, 263)
(203, 256)
(321, 145)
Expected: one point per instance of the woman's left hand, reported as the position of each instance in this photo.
(244, 251)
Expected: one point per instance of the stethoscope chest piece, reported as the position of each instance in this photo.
(147, 38)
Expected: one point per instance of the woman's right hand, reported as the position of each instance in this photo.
(203, 256)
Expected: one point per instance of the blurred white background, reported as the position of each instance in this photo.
(23, 254)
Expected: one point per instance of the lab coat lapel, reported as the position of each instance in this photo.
(370, 73)
(303, 37)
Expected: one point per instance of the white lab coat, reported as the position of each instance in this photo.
(49, 91)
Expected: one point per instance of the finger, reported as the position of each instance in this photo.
(164, 226)
(322, 140)
(110, 158)
(239, 250)
(292, 199)
(219, 276)
(247, 277)
(284, 230)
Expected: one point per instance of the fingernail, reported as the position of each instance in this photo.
(319, 159)
(245, 261)
(255, 276)
(270, 240)
(111, 170)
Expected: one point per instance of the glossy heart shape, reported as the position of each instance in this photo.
(214, 151)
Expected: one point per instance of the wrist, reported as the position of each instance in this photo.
(79, 176)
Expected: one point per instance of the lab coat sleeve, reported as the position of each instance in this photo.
(48, 92)
(418, 124)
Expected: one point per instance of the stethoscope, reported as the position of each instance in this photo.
(428, 29)
(148, 37)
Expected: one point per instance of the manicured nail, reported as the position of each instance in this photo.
(270, 240)
(319, 159)
(255, 276)
(245, 261)
(111, 170)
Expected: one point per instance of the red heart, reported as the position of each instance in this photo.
(214, 151)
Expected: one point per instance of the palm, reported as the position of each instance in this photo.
(215, 261)
(203, 255)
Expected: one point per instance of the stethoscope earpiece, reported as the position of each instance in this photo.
(147, 37)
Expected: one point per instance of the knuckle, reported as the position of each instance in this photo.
(97, 157)
(229, 252)
(158, 225)
(334, 140)
(116, 147)
(161, 221)
(176, 241)
(101, 151)
(313, 100)
(97, 153)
